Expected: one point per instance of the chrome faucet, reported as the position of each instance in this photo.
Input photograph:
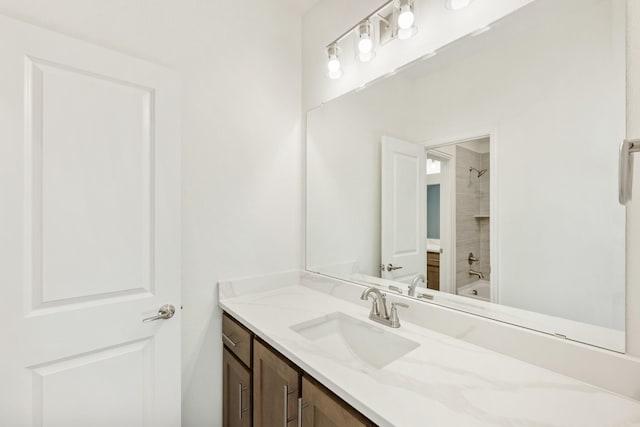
(379, 308)
(414, 283)
(480, 274)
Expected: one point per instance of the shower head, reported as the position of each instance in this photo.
(480, 172)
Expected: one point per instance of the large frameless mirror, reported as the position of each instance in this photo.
(484, 178)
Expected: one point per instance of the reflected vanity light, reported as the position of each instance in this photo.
(457, 4)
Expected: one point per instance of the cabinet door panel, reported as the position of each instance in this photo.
(321, 409)
(275, 389)
(236, 410)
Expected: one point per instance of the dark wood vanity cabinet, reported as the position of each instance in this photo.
(320, 408)
(270, 391)
(236, 374)
(236, 400)
(433, 270)
(276, 388)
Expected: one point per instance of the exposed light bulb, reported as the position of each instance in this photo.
(406, 17)
(333, 65)
(457, 4)
(365, 44)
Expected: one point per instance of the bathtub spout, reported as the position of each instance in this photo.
(476, 273)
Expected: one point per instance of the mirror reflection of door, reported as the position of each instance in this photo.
(403, 223)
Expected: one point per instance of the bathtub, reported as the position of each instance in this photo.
(480, 289)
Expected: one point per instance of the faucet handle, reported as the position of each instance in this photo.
(393, 318)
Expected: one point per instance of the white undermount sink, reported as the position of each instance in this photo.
(353, 340)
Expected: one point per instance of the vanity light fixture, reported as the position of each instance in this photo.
(364, 41)
(334, 66)
(396, 19)
(457, 4)
(405, 18)
(405, 14)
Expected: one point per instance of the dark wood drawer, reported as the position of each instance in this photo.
(237, 339)
(433, 258)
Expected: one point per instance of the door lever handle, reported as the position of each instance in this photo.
(390, 267)
(166, 312)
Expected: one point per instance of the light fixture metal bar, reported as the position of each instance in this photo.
(369, 16)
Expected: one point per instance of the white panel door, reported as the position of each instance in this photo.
(403, 217)
(89, 234)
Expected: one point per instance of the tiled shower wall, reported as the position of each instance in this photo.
(472, 214)
(483, 209)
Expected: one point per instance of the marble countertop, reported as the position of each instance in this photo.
(443, 382)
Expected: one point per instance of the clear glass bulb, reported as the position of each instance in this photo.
(406, 17)
(365, 44)
(334, 64)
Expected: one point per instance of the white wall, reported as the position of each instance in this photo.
(240, 65)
